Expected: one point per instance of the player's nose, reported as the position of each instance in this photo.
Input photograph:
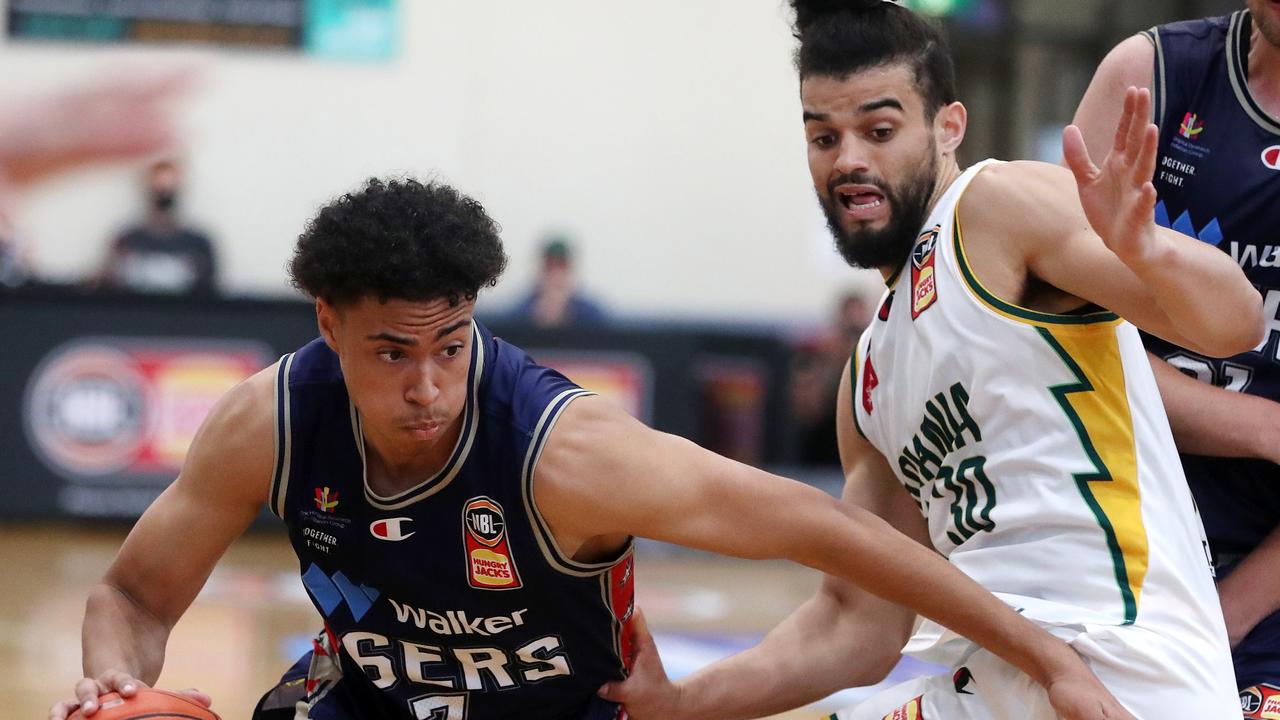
(424, 388)
(851, 157)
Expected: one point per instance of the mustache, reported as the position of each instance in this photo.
(857, 179)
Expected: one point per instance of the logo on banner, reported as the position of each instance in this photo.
(913, 710)
(924, 285)
(391, 529)
(128, 407)
(490, 565)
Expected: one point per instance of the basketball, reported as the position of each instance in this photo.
(151, 704)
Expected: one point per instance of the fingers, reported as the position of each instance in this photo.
(1076, 154)
(1144, 168)
(87, 692)
(1126, 119)
(202, 698)
(61, 710)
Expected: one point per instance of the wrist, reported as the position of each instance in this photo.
(1152, 252)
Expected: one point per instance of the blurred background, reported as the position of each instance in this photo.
(645, 160)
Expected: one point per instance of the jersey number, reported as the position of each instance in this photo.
(973, 497)
(439, 707)
(1229, 376)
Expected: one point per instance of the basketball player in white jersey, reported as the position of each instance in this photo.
(1001, 408)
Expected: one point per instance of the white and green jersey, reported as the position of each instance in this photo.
(1037, 449)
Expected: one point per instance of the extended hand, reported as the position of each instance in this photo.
(647, 693)
(1084, 698)
(88, 690)
(1118, 197)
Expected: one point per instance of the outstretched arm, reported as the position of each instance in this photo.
(857, 635)
(603, 473)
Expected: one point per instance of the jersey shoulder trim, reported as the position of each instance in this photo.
(1010, 310)
(283, 438)
(1238, 71)
(554, 556)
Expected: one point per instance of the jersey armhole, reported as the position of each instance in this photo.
(855, 372)
(551, 552)
(283, 439)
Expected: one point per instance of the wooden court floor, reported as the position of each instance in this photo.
(246, 627)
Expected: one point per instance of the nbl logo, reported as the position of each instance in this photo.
(489, 561)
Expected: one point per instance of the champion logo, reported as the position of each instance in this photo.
(392, 529)
(1271, 157)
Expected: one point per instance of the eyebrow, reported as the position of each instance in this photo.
(867, 107)
(452, 328)
(391, 338)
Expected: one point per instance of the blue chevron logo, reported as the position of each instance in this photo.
(1211, 233)
(330, 592)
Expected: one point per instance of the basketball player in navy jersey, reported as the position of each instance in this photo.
(1216, 83)
(463, 516)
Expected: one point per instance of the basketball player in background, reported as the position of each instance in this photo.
(1216, 89)
(998, 409)
(462, 516)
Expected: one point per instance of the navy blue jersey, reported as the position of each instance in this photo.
(1218, 178)
(449, 600)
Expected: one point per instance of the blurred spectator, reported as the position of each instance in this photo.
(107, 122)
(815, 378)
(161, 255)
(556, 300)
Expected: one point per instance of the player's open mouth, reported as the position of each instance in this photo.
(861, 202)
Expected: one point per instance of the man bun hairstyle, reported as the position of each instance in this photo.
(841, 37)
(398, 239)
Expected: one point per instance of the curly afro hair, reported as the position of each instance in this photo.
(398, 239)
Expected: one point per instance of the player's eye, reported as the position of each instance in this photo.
(452, 350)
(882, 133)
(823, 141)
(391, 355)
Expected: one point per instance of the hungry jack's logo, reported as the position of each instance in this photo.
(326, 500)
(924, 284)
(913, 710)
(490, 565)
(1191, 126)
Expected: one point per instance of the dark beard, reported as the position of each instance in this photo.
(908, 207)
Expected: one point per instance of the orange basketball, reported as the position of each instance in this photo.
(151, 704)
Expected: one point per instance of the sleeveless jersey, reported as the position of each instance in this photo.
(449, 600)
(1037, 450)
(1219, 180)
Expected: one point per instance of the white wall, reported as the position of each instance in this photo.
(664, 136)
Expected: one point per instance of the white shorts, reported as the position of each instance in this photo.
(984, 687)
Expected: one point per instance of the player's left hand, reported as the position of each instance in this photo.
(1118, 197)
(1083, 697)
(647, 693)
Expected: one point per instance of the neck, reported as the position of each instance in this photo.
(1264, 73)
(392, 468)
(947, 174)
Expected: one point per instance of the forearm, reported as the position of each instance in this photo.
(1202, 291)
(868, 552)
(120, 635)
(1208, 420)
(1252, 591)
(781, 674)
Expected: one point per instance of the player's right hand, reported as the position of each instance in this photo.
(647, 693)
(1083, 697)
(88, 690)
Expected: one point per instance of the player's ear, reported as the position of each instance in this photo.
(949, 126)
(327, 319)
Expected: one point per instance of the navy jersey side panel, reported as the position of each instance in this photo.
(1218, 178)
(448, 600)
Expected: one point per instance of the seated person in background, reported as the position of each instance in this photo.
(160, 255)
(556, 300)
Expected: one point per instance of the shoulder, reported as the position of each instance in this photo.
(236, 443)
(1131, 63)
(1014, 209)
